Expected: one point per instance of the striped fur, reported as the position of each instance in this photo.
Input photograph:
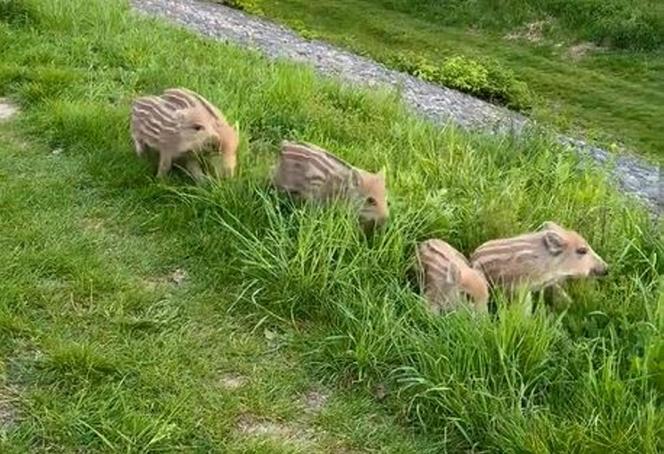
(311, 173)
(538, 259)
(446, 277)
(180, 123)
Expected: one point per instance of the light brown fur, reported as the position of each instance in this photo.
(309, 172)
(537, 260)
(446, 278)
(185, 125)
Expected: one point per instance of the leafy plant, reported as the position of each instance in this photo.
(487, 80)
(250, 6)
(302, 29)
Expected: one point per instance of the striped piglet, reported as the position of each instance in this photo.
(311, 173)
(447, 280)
(537, 260)
(179, 125)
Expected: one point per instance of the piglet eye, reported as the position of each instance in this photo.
(198, 127)
(582, 251)
(371, 201)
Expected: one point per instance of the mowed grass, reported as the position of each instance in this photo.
(101, 350)
(620, 24)
(614, 96)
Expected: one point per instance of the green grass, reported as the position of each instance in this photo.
(614, 97)
(636, 25)
(101, 352)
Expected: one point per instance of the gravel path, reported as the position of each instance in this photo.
(435, 102)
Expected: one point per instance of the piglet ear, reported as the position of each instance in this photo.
(550, 225)
(356, 177)
(554, 242)
(453, 276)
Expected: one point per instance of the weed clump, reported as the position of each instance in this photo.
(249, 6)
(485, 79)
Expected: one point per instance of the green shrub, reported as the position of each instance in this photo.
(465, 75)
(302, 30)
(487, 80)
(250, 6)
(416, 65)
(505, 88)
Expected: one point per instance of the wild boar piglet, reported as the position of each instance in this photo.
(447, 280)
(180, 124)
(537, 260)
(311, 173)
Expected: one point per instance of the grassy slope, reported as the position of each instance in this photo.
(99, 350)
(620, 24)
(616, 96)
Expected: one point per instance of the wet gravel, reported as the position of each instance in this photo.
(440, 104)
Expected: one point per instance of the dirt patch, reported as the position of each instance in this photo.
(532, 32)
(93, 224)
(314, 401)
(253, 426)
(580, 51)
(380, 392)
(7, 109)
(8, 412)
(175, 278)
(232, 381)
(52, 284)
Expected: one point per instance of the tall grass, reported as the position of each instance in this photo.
(587, 378)
(507, 383)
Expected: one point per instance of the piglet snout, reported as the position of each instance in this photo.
(601, 270)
